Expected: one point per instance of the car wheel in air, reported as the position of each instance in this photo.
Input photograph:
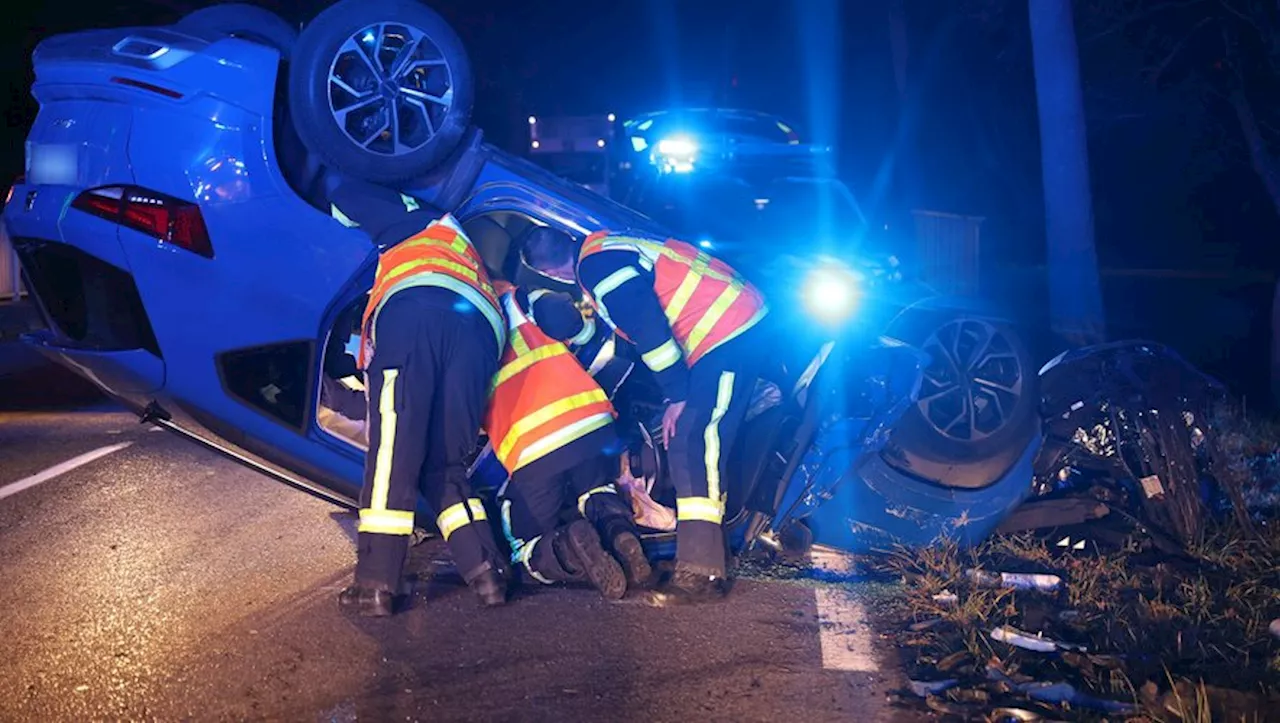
(380, 89)
(241, 20)
(979, 400)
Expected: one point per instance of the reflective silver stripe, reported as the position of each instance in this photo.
(608, 489)
(607, 351)
(341, 217)
(584, 336)
(610, 283)
(662, 357)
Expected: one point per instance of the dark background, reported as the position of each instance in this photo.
(1187, 233)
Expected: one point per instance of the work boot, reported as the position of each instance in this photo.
(366, 602)
(577, 545)
(489, 584)
(689, 587)
(627, 548)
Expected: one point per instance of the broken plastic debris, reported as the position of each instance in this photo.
(926, 688)
(1019, 580)
(923, 625)
(946, 597)
(1066, 694)
(1027, 641)
(1151, 486)
(1014, 714)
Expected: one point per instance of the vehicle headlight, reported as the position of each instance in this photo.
(831, 292)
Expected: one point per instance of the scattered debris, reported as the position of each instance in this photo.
(924, 689)
(946, 597)
(1016, 580)
(1027, 641)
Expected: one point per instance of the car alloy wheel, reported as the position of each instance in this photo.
(973, 382)
(390, 88)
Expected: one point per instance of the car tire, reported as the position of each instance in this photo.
(246, 21)
(919, 445)
(381, 118)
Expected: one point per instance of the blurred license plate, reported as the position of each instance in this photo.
(52, 163)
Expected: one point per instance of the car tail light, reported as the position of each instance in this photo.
(8, 195)
(165, 218)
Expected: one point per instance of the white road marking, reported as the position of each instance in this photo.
(843, 629)
(57, 469)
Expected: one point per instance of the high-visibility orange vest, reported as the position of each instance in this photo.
(441, 255)
(705, 301)
(541, 399)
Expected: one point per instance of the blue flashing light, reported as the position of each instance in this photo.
(831, 293)
(705, 243)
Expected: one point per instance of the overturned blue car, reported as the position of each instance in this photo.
(176, 227)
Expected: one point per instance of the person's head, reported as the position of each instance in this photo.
(550, 252)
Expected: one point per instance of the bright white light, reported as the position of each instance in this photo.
(638, 144)
(705, 243)
(612, 117)
(532, 120)
(535, 144)
(600, 143)
(831, 293)
(677, 147)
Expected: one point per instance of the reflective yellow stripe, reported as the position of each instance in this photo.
(458, 245)
(711, 436)
(456, 517)
(386, 522)
(584, 336)
(713, 315)
(556, 440)
(601, 490)
(662, 357)
(409, 266)
(537, 294)
(540, 417)
(342, 217)
(700, 509)
(755, 319)
(491, 313)
(524, 359)
(520, 345)
(684, 292)
(386, 441)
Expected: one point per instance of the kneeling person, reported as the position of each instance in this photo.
(552, 428)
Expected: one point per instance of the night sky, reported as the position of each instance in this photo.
(1173, 184)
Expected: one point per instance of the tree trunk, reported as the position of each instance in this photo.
(1075, 289)
(1264, 165)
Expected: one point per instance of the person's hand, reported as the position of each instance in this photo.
(669, 419)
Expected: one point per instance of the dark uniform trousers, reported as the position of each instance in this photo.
(428, 383)
(539, 497)
(720, 387)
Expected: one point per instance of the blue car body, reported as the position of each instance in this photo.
(196, 118)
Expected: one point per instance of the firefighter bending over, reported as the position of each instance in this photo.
(691, 317)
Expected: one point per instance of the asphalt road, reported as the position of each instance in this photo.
(156, 580)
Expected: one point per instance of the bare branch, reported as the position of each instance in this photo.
(1147, 12)
(1163, 65)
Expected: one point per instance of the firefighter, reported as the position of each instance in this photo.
(552, 427)
(691, 318)
(431, 336)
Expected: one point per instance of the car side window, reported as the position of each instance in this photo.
(273, 379)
